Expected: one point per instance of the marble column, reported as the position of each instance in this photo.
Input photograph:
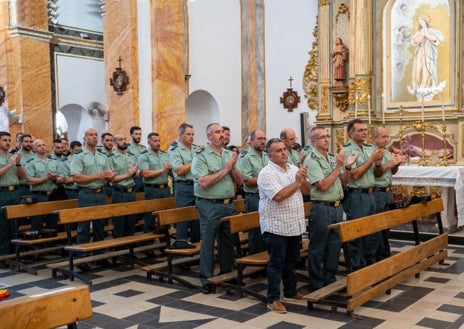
(25, 66)
(325, 61)
(253, 100)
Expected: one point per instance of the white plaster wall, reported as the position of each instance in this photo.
(289, 28)
(83, 14)
(215, 60)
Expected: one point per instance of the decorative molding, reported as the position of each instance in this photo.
(31, 33)
(340, 138)
(361, 87)
(102, 5)
(341, 101)
(323, 3)
(310, 76)
(343, 10)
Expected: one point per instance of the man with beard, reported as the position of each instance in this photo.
(57, 150)
(91, 172)
(250, 163)
(65, 172)
(65, 143)
(11, 171)
(360, 201)
(214, 170)
(136, 149)
(125, 166)
(180, 156)
(155, 168)
(226, 136)
(26, 155)
(107, 142)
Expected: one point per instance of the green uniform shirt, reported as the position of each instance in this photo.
(293, 157)
(367, 180)
(64, 170)
(319, 168)
(148, 159)
(90, 163)
(250, 164)
(136, 150)
(206, 162)
(120, 164)
(24, 159)
(307, 149)
(11, 176)
(386, 179)
(179, 155)
(36, 168)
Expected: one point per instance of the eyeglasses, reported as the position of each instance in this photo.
(322, 137)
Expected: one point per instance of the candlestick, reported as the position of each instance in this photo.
(423, 114)
(443, 106)
(356, 107)
(383, 110)
(369, 109)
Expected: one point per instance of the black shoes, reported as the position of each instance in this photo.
(150, 253)
(104, 263)
(84, 267)
(206, 289)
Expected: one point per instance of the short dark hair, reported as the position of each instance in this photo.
(134, 128)
(74, 144)
(351, 124)
(56, 141)
(5, 133)
(225, 128)
(182, 127)
(24, 136)
(270, 142)
(106, 134)
(150, 135)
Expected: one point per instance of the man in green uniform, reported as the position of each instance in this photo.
(26, 155)
(360, 201)
(42, 173)
(155, 168)
(125, 166)
(250, 163)
(180, 156)
(327, 177)
(384, 170)
(288, 137)
(214, 170)
(91, 173)
(11, 171)
(135, 148)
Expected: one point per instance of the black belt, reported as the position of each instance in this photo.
(47, 193)
(221, 201)
(188, 182)
(160, 186)
(94, 190)
(250, 193)
(360, 190)
(382, 189)
(124, 189)
(23, 186)
(334, 204)
(8, 188)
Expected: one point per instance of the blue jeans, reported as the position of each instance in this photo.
(284, 253)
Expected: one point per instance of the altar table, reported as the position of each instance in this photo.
(449, 178)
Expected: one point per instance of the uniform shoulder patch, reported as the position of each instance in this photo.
(199, 149)
(173, 146)
(347, 144)
(313, 155)
(50, 157)
(143, 152)
(243, 153)
(30, 160)
(78, 152)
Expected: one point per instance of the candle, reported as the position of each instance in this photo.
(356, 107)
(423, 114)
(443, 106)
(369, 109)
(383, 110)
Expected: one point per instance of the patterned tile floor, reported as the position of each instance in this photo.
(124, 298)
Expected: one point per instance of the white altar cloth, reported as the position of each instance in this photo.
(445, 177)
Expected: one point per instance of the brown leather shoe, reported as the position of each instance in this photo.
(277, 307)
(297, 296)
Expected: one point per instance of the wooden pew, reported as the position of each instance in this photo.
(16, 212)
(254, 263)
(368, 282)
(69, 216)
(52, 309)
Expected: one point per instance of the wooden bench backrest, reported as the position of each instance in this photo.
(49, 310)
(38, 209)
(239, 205)
(243, 222)
(307, 208)
(356, 228)
(112, 210)
(176, 215)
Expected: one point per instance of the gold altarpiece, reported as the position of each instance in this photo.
(380, 65)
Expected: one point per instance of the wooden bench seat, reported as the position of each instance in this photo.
(64, 307)
(249, 264)
(69, 216)
(366, 283)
